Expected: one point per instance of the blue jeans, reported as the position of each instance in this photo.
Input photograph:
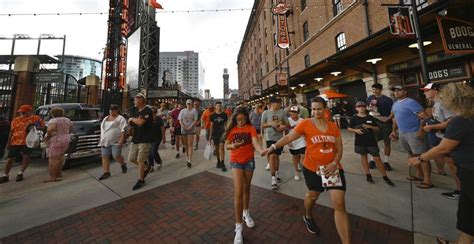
(154, 154)
(248, 166)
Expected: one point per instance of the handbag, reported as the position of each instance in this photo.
(33, 139)
(208, 152)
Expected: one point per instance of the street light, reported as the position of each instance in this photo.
(336, 73)
(373, 60)
(415, 45)
(301, 85)
(318, 79)
(293, 88)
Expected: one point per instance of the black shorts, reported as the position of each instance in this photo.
(385, 129)
(258, 131)
(466, 201)
(300, 151)
(15, 151)
(278, 151)
(218, 139)
(315, 183)
(372, 150)
(177, 131)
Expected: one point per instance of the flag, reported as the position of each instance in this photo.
(154, 4)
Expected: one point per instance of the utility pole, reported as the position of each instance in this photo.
(421, 48)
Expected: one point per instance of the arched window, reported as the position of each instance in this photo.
(337, 7)
(340, 42)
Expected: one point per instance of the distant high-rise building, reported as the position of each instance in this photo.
(79, 66)
(184, 69)
(207, 94)
(226, 82)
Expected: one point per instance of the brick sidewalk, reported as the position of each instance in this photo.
(199, 209)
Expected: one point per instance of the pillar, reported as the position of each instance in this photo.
(92, 88)
(25, 91)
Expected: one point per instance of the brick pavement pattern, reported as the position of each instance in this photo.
(199, 209)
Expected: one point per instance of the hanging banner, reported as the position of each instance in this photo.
(457, 35)
(283, 36)
(258, 91)
(282, 79)
(401, 22)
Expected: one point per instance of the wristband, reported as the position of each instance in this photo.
(274, 147)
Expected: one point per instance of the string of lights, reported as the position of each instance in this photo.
(157, 11)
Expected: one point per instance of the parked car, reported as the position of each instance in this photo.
(86, 135)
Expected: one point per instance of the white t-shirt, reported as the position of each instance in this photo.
(300, 142)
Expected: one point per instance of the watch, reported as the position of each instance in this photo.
(421, 159)
(274, 147)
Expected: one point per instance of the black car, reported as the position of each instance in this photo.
(86, 136)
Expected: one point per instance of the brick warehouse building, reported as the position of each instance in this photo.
(340, 36)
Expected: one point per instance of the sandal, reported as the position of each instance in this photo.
(439, 172)
(414, 178)
(441, 240)
(424, 186)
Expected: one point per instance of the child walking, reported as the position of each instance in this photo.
(241, 140)
(364, 127)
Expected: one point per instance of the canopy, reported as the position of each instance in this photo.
(331, 94)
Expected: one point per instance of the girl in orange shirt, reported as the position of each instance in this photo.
(241, 139)
(323, 148)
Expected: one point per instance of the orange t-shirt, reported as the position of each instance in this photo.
(244, 153)
(19, 126)
(228, 111)
(206, 116)
(320, 146)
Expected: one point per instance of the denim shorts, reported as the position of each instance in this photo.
(248, 166)
(115, 150)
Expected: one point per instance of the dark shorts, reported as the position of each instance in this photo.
(385, 129)
(218, 140)
(372, 150)
(433, 139)
(315, 183)
(259, 131)
(278, 151)
(300, 151)
(248, 166)
(177, 131)
(466, 201)
(15, 151)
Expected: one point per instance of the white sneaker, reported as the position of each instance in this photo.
(268, 166)
(274, 183)
(299, 167)
(278, 177)
(238, 239)
(248, 220)
(297, 177)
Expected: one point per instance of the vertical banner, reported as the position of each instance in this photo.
(283, 36)
(282, 79)
(401, 22)
(457, 35)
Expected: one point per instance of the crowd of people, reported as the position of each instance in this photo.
(443, 131)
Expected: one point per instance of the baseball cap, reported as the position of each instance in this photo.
(140, 95)
(189, 101)
(294, 109)
(396, 88)
(275, 99)
(25, 108)
(360, 103)
(431, 86)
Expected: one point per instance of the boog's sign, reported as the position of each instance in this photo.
(457, 35)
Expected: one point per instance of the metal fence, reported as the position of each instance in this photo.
(7, 91)
(67, 91)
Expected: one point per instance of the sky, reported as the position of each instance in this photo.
(215, 35)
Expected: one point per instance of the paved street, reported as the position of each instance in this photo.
(200, 193)
(199, 209)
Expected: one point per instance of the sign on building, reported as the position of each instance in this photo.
(457, 35)
(283, 36)
(282, 79)
(401, 22)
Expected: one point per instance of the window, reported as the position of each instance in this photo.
(266, 66)
(303, 5)
(266, 49)
(305, 31)
(307, 61)
(276, 59)
(419, 3)
(275, 39)
(340, 42)
(337, 7)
